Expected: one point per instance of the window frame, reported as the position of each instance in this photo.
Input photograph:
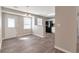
(39, 21)
(26, 24)
(9, 24)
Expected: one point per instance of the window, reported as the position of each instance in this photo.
(11, 22)
(27, 23)
(39, 21)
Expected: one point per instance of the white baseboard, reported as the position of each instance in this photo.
(39, 35)
(24, 35)
(61, 49)
(0, 44)
(7, 38)
(16, 36)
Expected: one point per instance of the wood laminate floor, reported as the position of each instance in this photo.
(29, 44)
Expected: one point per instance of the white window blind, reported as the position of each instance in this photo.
(27, 23)
(11, 22)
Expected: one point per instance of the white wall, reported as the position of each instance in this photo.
(14, 32)
(36, 29)
(77, 10)
(20, 27)
(78, 25)
(66, 29)
(19, 31)
(9, 32)
(0, 28)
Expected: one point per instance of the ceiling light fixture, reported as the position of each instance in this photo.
(27, 14)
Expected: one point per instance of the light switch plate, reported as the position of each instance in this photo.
(58, 25)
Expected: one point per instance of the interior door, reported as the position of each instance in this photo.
(10, 25)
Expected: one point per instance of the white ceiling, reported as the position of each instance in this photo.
(39, 10)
